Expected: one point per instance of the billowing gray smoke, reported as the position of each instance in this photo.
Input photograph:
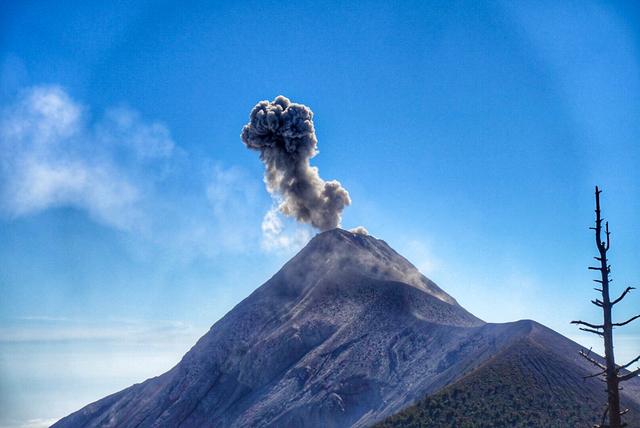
(283, 133)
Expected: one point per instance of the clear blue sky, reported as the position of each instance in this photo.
(469, 135)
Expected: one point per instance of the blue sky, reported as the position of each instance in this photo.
(469, 135)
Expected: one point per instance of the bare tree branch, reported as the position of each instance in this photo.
(629, 375)
(592, 361)
(620, 324)
(595, 374)
(587, 324)
(624, 293)
(591, 331)
(629, 363)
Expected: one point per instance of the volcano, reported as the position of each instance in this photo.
(347, 334)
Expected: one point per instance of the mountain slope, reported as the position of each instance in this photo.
(539, 380)
(347, 333)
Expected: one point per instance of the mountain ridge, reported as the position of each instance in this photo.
(526, 384)
(347, 333)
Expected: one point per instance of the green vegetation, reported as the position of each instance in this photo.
(524, 386)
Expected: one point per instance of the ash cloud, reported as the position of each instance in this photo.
(284, 135)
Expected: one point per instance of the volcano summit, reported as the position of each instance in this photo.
(346, 334)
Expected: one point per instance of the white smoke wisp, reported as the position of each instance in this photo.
(360, 230)
(276, 237)
(284, 135)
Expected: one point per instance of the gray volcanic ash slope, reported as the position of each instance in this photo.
(347, 333)
(536, 381)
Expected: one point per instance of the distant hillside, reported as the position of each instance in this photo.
(525, 385)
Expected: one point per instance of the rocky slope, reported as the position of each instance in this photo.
(537, 381)
(347, 333)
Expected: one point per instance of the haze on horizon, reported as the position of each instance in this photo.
(469, 136)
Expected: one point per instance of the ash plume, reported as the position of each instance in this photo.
(283, 133)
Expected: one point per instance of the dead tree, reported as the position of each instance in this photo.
(613, 374)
